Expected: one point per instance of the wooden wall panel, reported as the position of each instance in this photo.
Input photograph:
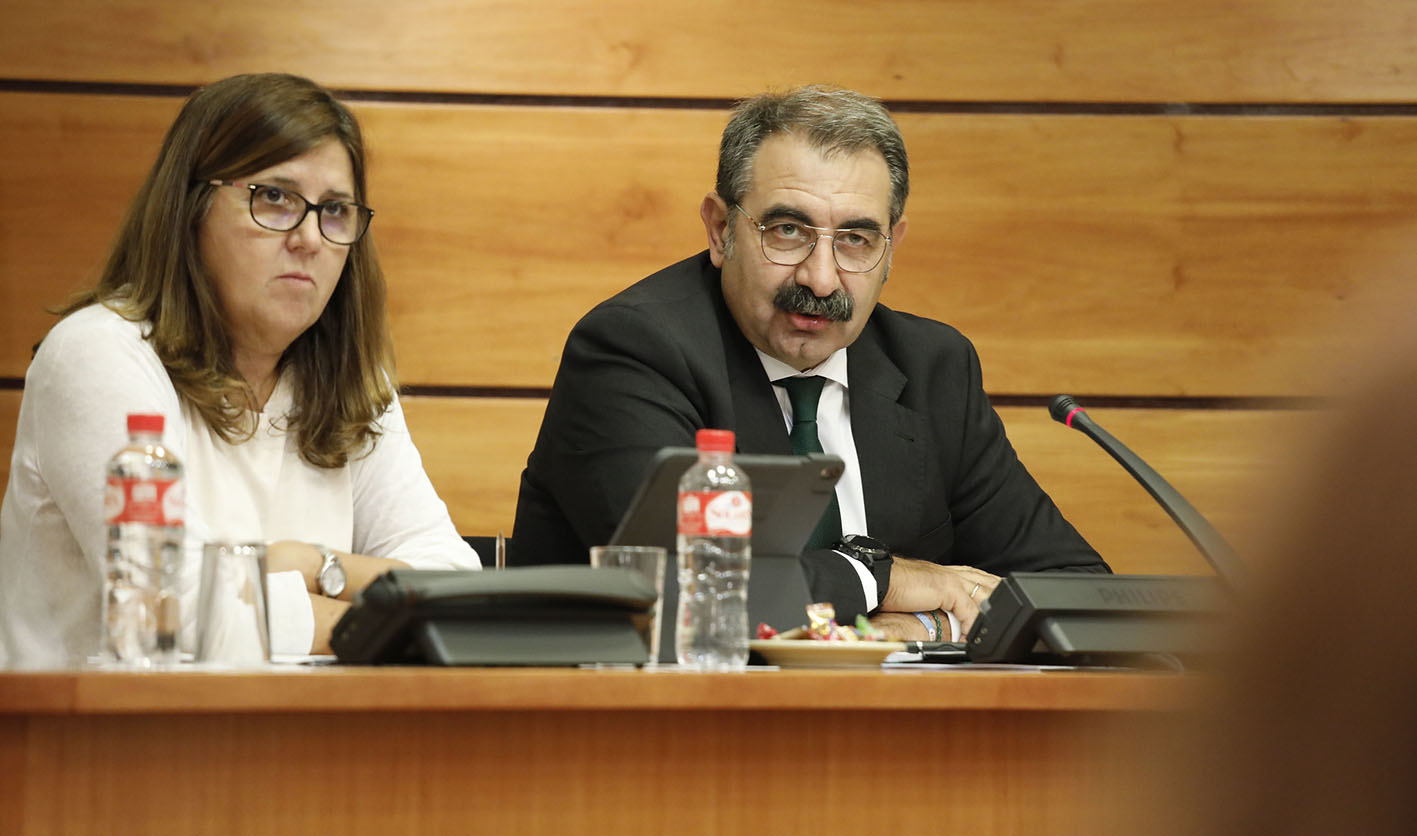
(1222, 461)
(507, 224)
(1121, 255)
(474, 450)
(77, 162)
(564, 146)
(1229, 464)
(965, 50)
(1159, 256)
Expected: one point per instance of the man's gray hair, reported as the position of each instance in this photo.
(832, 120)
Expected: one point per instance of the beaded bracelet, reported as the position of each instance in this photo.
(932, 628)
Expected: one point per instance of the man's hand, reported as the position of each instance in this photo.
(921, 586)
(904, 627)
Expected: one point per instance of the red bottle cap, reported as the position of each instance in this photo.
(714, 441)
(145, 423)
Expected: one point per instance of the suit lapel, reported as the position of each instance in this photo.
(890, 442)
(757, 417)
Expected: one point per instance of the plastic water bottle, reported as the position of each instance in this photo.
(143, 507)
(715, 531)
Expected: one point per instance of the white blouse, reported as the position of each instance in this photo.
(91, 371)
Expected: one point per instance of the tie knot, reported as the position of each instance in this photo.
(803, 393)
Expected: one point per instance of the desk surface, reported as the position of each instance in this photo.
(556, 751)
(331, 688)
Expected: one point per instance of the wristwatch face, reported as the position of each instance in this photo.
(332, 577)
(865, 549)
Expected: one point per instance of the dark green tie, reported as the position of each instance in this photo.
(803, 393)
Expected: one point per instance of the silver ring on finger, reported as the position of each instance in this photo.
(973, 592)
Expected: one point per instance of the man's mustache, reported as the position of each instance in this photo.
(797, 299)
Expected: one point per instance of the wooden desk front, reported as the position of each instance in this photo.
(407, 750)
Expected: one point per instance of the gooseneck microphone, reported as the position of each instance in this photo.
(1065, 410)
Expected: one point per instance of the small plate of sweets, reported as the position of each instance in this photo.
(823, 643)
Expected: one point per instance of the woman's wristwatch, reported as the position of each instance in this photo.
(331, 578)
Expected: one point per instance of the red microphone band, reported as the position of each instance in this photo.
(1069, 420)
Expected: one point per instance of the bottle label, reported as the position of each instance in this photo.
(150, 501)
(711, 513)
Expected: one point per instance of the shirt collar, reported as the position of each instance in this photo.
(833, 368)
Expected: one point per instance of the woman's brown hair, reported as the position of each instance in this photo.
(342, 367)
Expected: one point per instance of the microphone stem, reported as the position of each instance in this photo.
(1206, 538)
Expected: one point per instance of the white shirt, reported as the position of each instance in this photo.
(91, 371)
(834, 431)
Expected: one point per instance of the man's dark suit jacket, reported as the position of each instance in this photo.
(664, 358)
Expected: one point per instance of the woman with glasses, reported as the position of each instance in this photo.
(243, 300)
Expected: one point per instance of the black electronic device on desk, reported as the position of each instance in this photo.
(533, 615)
(1128, 620)
(789, 495)
(1087, 619)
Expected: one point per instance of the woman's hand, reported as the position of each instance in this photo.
(306, 558)
(295, 556)
(327, 614)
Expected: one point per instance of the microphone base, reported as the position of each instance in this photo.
(1110, 620)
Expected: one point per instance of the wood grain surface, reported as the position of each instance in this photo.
(338, 688)
(965, 50)
(452, 751)
(1228, 463)
(534, 772)
(1191, 256)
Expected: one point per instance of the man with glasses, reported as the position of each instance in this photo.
(775, 332)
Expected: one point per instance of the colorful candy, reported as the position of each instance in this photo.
(822, 626)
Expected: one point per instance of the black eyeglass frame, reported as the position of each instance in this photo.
(822, 232)
(365, 214)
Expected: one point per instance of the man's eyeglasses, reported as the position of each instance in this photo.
(281, 210)
(789, 242)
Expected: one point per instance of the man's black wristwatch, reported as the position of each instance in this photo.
(867, 550)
